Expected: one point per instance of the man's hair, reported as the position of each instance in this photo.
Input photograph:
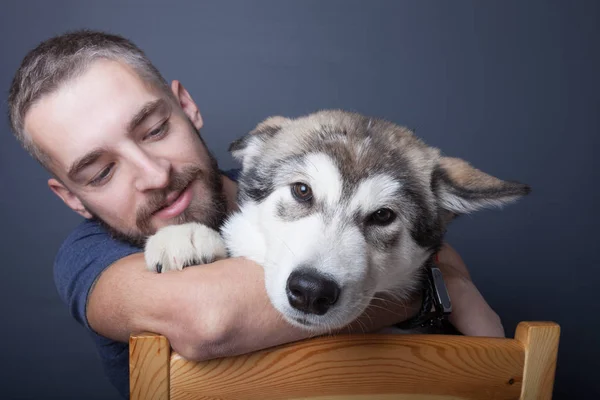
(62, 58)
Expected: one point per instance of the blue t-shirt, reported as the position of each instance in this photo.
(82, 257)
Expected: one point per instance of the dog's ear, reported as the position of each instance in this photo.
(249, 146)
(461, 188)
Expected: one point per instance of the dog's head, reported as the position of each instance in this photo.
(349, 206)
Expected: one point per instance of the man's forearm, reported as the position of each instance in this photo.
(127, 298)
(222, 309)
(252, 323)
(207, 311)
(204, 311)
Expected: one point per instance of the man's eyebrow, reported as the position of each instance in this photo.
(147, 110)
(80, 164)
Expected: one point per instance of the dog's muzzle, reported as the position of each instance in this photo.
(311, 292)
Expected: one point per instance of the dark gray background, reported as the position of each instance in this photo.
(512, 87)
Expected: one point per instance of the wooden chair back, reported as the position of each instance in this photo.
(359, 367)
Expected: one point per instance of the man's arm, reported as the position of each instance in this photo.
(199, 309)
(207, 311)
(471, 314)
(222, 309)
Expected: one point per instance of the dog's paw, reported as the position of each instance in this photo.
(178, 246)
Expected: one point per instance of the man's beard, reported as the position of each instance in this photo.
(210, 212)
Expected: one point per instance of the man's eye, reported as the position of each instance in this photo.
(101, 177)
(158, 132)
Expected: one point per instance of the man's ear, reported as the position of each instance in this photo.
(462, 189)
(187, 104)
(68, 198)
(246, 148)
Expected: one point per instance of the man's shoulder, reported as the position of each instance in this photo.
(89, 235)
(85, 229)
(84, 254)
(89, 240)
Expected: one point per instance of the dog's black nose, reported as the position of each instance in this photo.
(311, 292)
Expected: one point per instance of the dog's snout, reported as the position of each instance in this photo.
(311, 292)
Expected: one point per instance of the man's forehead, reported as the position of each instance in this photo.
(87, 111)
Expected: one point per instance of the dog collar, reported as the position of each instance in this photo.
(436, 305)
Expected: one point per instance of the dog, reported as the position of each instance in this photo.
(337, 207)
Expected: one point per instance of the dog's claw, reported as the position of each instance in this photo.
(171, 247)
(190, 263)
(207, 260)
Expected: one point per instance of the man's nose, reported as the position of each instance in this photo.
(153, 173)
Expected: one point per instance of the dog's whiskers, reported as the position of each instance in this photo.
(287, 247)
(362, 324)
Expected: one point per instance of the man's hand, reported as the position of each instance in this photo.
(471, 314)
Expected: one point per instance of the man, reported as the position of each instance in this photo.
(124, 151)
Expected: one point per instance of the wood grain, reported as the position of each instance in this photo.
(149, 356)
(360, 367)
(540, 340)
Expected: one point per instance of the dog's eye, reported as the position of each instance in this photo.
(301, 191)
(383, 216)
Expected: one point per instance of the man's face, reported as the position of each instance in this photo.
(127, 153)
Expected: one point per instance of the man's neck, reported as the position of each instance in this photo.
(230, 189)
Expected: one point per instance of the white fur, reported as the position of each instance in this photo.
(323, 176)
(335, 247)
(176, 246)
(374, 193)
(284, 246)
